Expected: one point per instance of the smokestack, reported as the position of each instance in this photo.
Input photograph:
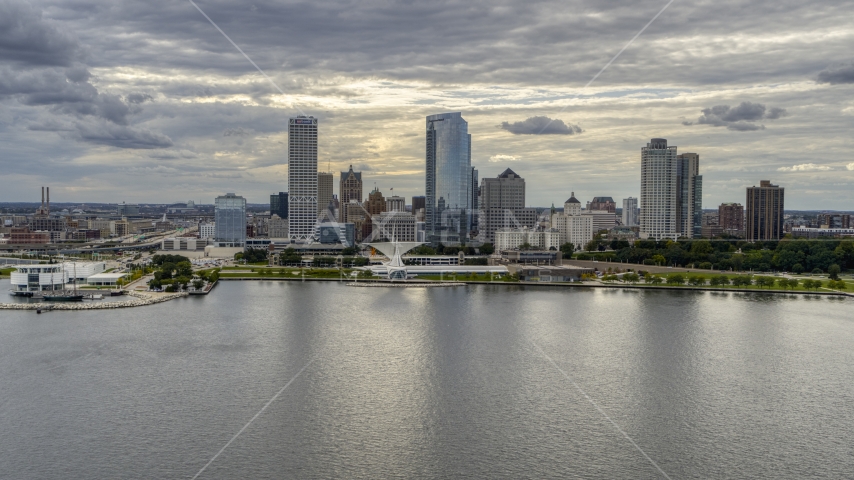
(48, 199)
(42, 197)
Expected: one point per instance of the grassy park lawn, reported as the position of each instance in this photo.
(709, 275)
(284, 272)
(5, 272)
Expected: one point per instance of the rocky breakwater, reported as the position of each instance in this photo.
(139, 299)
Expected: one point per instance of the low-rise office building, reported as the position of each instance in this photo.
(805, 232)
(184, 243)
(105, 279)
(511, 239)
(535, 257)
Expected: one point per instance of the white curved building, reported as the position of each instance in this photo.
(38, 278)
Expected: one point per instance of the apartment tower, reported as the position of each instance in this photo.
(671, 192)
(764, 212)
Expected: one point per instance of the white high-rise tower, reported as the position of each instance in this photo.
(302, 178)
(659, 191)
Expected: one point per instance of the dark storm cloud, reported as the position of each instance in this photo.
(741, 118)
(836, 74)
(101, 132)
(26, 38)
(541, 125)
(543, 42)
(137, 98)
(42, 70)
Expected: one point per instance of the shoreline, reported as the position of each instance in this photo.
(831, 293)
(141, 299)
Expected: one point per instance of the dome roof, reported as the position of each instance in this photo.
(572, 199)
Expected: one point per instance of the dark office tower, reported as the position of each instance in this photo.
(279, 204)
(689, 195)
(349, 188)
(475, 190)
(764, 212)
(448, 179)
(324, 190)
(502, 205)
(417, 203)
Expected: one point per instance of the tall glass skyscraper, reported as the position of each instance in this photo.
(448, 212)
(230, 228)
(302, 178)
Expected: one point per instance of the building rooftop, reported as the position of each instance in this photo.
(572, 199)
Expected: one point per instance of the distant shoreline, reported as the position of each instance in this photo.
(552, 284)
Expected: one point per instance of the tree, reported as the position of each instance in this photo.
(587, 276)
(631, 277)
(184, 269)
(765, 282)
(349, 251)
(833, 271)
(798, 268)
(290, 256)
(742, 281)
(618, 244)
(155, 284)
(676, 279)
(526, 246)
(793, 283)
(701, 247)
(810, 284)
(696, 281)
(659, 260)
(654, 279)
(486, 249)
(567, 249)
(592, 245)
(719, 281)
(836, 285)
(198, 284)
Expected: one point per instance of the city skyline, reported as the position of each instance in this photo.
(103, 119)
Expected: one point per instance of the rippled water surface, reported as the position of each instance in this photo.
(479, 382)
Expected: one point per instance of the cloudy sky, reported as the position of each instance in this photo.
(109, 101)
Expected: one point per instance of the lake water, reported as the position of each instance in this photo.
(477, 382)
